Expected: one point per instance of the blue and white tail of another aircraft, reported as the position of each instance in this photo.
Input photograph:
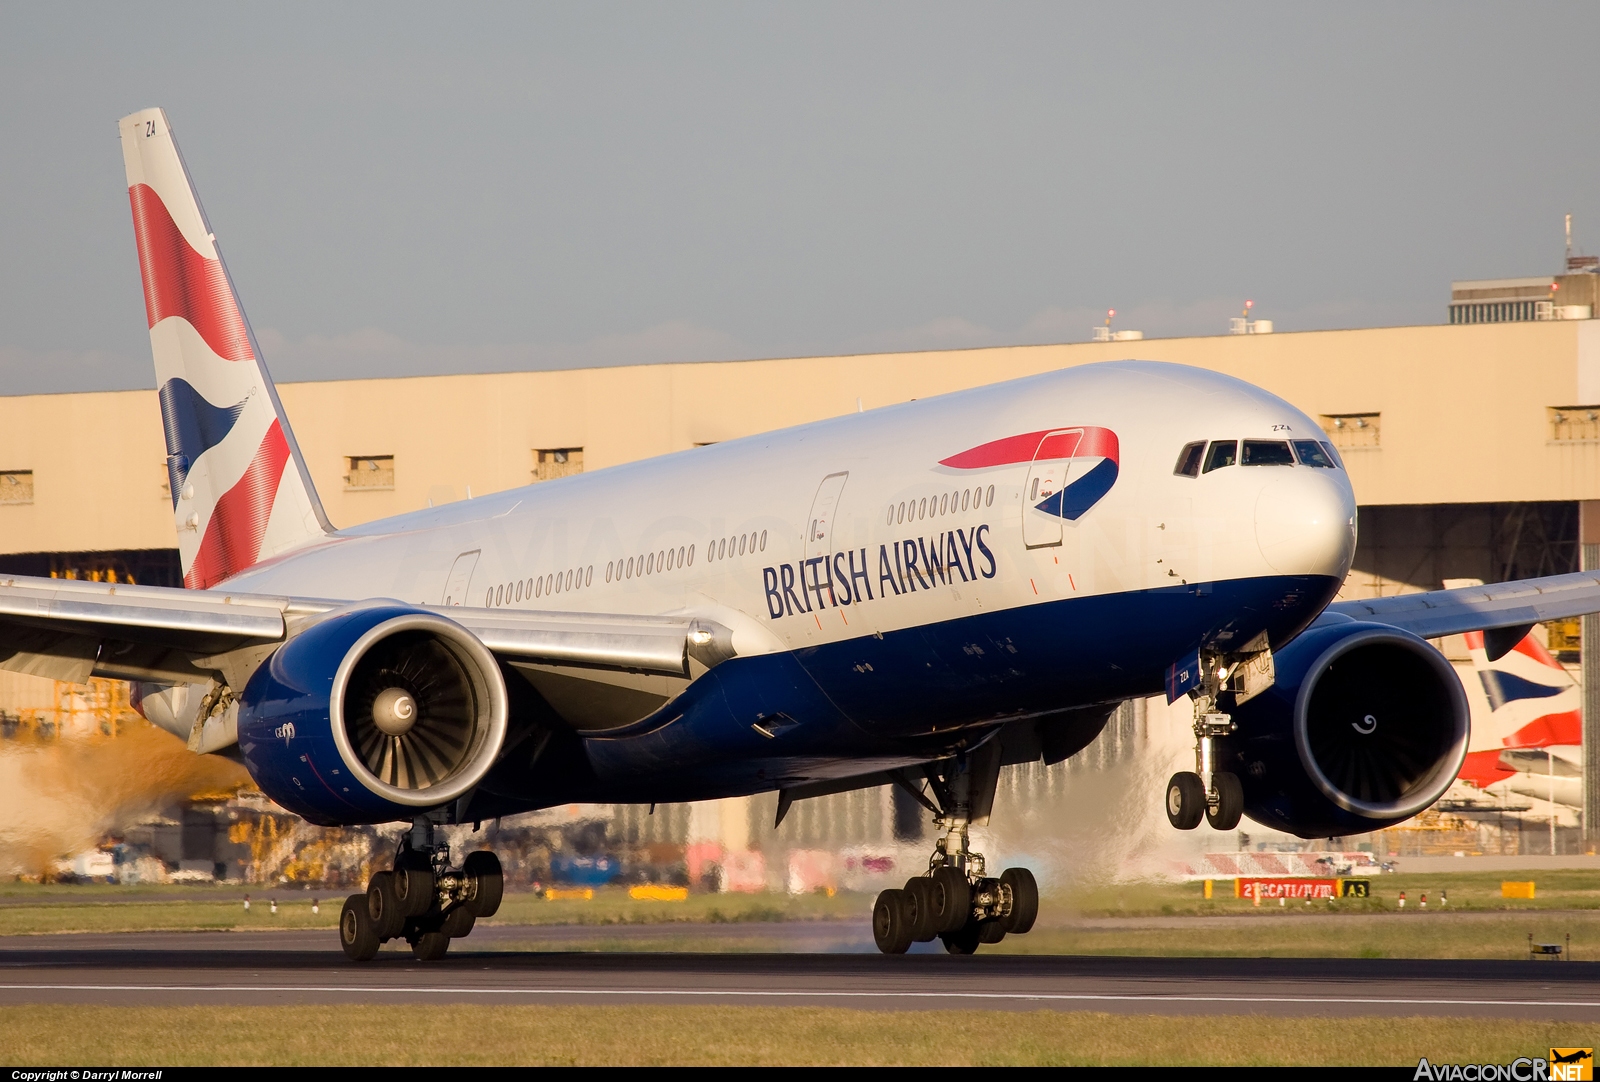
(913, 596)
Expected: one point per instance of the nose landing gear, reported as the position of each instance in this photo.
(422, 900)
(1206, 793)
(956, 902)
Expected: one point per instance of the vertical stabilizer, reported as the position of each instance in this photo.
(1533, 703)
(240, 489)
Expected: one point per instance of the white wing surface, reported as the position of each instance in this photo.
(71, 630)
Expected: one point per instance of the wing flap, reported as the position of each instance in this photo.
(176, 615)
(69, 629)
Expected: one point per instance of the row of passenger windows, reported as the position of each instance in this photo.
(724, 547)
(1196, 459)
(683, 556)
(617, 570)
(943, 504)
(526, 589)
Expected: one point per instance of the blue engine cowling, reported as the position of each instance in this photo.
(309, 726)
(1364, 726)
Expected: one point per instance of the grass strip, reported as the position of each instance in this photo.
(612, 906)
(1393, 936)
(1468, 891)
(464, 1035)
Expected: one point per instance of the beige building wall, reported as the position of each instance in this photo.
(1463, 417)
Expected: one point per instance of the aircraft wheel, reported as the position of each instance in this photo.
(1230, 802)
(413, 889)
(388, 918)
(889, 921)
(963, 940)
(951, 895)
(430, 946)
(482, 870)
(919, 894)
(356, 935)
(1186, 800)
(458, 922)
(991, 931)
(1024, 900)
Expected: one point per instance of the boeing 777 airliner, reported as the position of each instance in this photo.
(912, 596)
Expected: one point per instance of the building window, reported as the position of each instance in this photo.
(1574, 422)
(369, 473)
(552, 462)
(1353, 431)
(16, 486)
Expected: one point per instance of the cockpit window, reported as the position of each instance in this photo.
(1189, 459)
(1266, 453)
(1332, 453)
(1312, 454)
(1222, 453)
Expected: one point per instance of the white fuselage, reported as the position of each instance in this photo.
(1152, 529)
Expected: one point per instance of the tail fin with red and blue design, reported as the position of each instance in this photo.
(1533, 703)
(240, 489)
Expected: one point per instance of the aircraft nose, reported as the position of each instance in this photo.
(1306, 523)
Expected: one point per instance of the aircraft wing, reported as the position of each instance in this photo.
(68, 629)
(1509, 606)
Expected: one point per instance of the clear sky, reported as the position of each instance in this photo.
(430, 188)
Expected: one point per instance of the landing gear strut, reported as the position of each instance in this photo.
(956, 902)
(1206, 793)
(421, 900)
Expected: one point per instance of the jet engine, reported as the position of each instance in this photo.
(1364, 726)
(373, 714)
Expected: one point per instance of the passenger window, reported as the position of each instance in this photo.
(1223, 453)
(1189, 459)
(1312, 454)
(1266, 453)
(1333, 453)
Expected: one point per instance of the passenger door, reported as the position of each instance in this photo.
(1041, 492)
(824, 508)
(460, 580)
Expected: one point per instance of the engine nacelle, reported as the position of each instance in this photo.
(1365, 726)
(373, 714)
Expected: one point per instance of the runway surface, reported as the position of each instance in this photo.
(802, 963)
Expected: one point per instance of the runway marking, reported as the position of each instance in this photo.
(1155, 997)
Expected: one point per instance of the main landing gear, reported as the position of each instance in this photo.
(422, 900)
(955, 902)
(1213, 795)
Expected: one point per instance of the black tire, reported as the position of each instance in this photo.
(963, 940)
(1024, 900)
(991, 931)
(430, 946)
(951, 897)
(1186, 800)
(482, 870)
(458, 922)
(889, 929)
(413, 889)
(356, 935)
(388, 919)
(919, 893)
(1230, 802)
